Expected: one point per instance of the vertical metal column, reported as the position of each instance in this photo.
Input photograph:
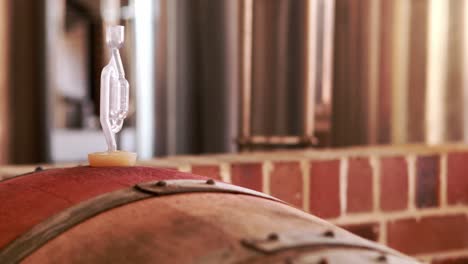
(436, 73)
(311, 70)
(246, 70)
(145, 40)
(4, 83)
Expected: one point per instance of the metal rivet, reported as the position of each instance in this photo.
(273, 237)
(329, 233)
(382, 258)
(210, 181)
(161, 183)
(322, 261)
(38, 168)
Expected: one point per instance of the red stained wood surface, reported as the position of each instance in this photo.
(181, 228)
(28, 200)
(188, 228)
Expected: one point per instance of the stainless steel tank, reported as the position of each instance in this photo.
(400, 72)
(274, 73)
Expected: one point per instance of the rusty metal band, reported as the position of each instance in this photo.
(14, 176)
(295, 239)
(184, 186)
(61, 222)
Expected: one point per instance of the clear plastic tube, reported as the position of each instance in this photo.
(114, 89)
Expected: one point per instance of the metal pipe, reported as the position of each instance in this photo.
(328, 38)
(310, 52)
(144, 76)
(247, 27)
(435, 74)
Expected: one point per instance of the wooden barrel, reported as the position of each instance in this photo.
(150, 215)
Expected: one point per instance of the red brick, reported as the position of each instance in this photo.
(393, 183)
(247, 175)
(359, 191)
(211, 171)
(324, 186)
(429, 234)
(286, 182)
(457, 178)
(366, 230)
(452, 260)
(427, 181)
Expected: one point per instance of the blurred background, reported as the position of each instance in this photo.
(215, 76)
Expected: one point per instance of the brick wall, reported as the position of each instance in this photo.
(412, 198)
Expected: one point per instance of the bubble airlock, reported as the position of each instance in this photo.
(114, 104)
